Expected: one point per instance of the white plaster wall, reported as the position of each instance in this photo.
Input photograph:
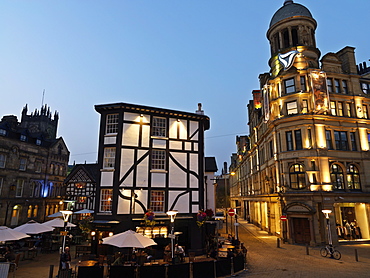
(130, 135)
(142, 170)
(196, 146)
(127, 159)
(159, 144)
(145, 136)
(195, 208)
(182, 204)
(110, 139)
(177, 177)
(210, 192)
(106, 178)
(195, 196)
(158, 179)
(188, 146)
(142, 196)
(193, 127)
(172, 129)
(193, 167)
(175, 145)
(136, 117)
(124, 205)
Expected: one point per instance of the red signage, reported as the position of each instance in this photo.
(231, 212)
(283, 218)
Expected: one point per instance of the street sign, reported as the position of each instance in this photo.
(283, 218)
(231, 212)
(63, 233)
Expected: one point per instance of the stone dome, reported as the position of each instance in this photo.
(288, 10)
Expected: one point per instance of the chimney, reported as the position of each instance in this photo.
(200, 111)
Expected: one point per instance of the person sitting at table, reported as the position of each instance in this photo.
(9, 254)
(120, 260)
(179, 251)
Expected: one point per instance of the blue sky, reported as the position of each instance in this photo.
(162, 53)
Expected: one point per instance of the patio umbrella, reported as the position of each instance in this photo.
(32, 228)
(129, 239)
(7, 234)
(84, 211)
(57, 214)
(57, 223)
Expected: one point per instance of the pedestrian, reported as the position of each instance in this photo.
(65, 259)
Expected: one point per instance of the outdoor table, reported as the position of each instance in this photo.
(87, 263)
(222, 252)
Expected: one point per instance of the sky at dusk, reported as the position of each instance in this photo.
(170, 54)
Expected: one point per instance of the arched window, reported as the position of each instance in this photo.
(297, 176)
(336, 176)
(29, 211)
(353, 178)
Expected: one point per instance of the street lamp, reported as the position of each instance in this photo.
(172, 214)
(65, 214)
(327, 212)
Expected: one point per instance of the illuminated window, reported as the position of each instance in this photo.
(353, 178)
(81, 185)
(157, 201)
(341, 141)
(2, 160)
(106, 196)
(291, 107)
(159, 127)
(304, 106)
(158, 160)
(109, 158)
(333, 108)
(112, 124)
(365, 112)
(340, 108)
(297, 176)
(289, 86)
(22, 164)
(336, 176)
(35, 210)
(82, 200)
(349, 110)
(2, 132)
(19, 188)
(29, 212)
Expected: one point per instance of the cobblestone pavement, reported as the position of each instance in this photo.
(264, 259)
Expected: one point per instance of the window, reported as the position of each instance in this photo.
(289, 86)
(37, 190)
(19, 188)
(38, 166)
(297, 176)
(2, 132)
(348, 108)
(159, 127)
(2, 160)
(353, 178)
(304, 106)
(365, 88)
(353, 141)
(157, 201)
(341, 142)
(340, 108)
(298, 139)
(329, 144)
(29, 212)
(82, 200)
(364, 112)
(22, 164)
(106, 196)
(291, 107)
(289, 141)
(337, 86)
(23, 138)
(309, 134)
(112, 124)
(333, 108)
(32, 188)
(109, 158)
(38, 142)
(336, 176)
(35, 210)
(303, 83)
(344, 86)
(1, 184)
(330, 85)
(158, 160)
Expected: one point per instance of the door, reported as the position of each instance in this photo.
(301, 230)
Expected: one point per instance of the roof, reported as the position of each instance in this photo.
(92, 170)
(210, 164)
(289, 9)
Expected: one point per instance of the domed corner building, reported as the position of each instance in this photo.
(308, 147)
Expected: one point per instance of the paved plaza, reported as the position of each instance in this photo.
(264, 258)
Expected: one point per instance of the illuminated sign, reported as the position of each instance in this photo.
(287, 59)
(320, 92)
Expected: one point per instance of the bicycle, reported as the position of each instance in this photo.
(330, 250)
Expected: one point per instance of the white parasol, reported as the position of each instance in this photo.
(32, 227)
(57, 223)
(7, 234)
(84, 211)
(129, 239)
(57, 214)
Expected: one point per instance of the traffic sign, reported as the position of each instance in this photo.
(231, 212)
(283, 218)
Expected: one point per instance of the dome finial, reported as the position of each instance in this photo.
(288, 2)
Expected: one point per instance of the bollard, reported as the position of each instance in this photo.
(51, 270)
(356, 255)
(278, 242)
(307, 250)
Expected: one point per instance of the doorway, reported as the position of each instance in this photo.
(301, 230)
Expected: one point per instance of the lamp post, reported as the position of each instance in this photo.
(327, 212)
(65, 214)
(172, 214)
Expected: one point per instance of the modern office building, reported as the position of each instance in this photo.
(308, 147)
(33, 166)
(150, 160)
